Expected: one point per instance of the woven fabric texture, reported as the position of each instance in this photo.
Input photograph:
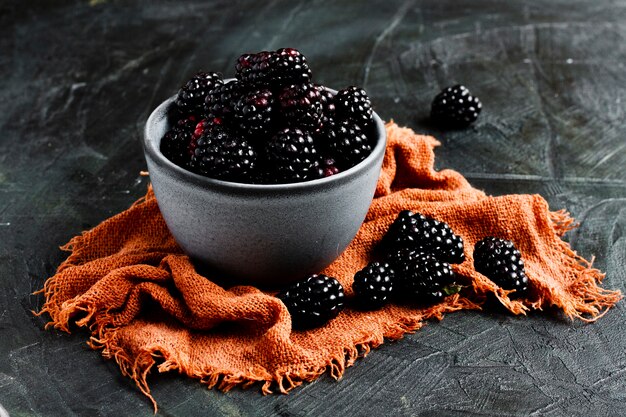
(145, 305)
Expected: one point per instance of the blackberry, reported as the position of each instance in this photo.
(220, 102)
(301, 106)
(288, 66)
(373, 284)
(352, 103)
(398, 258)
(414, 230)
(255, 112)
(347, 143)
(291, 156)
(191, 96)
(220, 154)
(328, 104)
(327, 167)
(313, 301)
(424, 279)
(455, 107)
(255, 69)
(273, 68)
(201, 127)
(176, 141)
(500, 261)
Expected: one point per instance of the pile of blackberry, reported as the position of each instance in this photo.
(417, 252)
(413, 269)
(270, 125)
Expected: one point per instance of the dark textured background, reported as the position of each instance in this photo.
(78, 80)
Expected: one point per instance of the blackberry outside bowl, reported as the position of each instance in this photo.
(266, 235)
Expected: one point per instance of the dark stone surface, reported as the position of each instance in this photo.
(78, 80)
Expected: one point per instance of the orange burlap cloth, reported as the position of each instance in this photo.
(146, 306)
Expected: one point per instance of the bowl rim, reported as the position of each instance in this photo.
(151, 145)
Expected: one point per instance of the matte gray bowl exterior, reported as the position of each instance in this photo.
(260, 234)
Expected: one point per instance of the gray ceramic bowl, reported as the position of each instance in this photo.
(266, 235)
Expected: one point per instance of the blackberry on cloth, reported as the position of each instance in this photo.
(414, 230)
(313, 301)
(500, 261)
(373, 285)
(425, 279)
